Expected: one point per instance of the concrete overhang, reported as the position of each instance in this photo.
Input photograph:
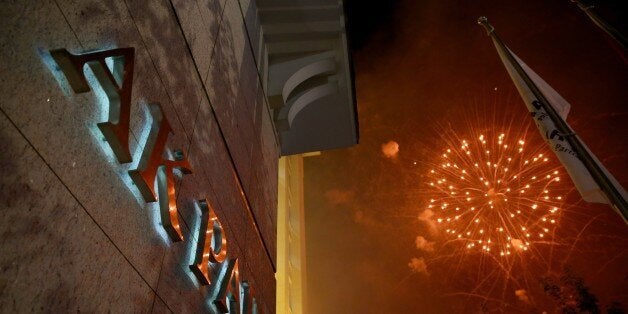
(307, 72)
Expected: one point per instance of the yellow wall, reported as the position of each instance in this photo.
(291, 279)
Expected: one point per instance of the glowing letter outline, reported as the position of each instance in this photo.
(152, 165)
(211, 239)
(225, 292)
(117, 85)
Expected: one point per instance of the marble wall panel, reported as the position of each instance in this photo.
(97, 26)
(234, 83)
(100, 24)
(252, 79)
(193, 188)
(163, 38)
(61, 126)
(231, 39)
(247, 91)
(257, 260)
(177, 285)
(253, 27)
(213, 164)
(233, 210)
(213, 169)
(223, 78)
(262, 190)
(200, 21)
(159, 307)
(222, 85)
(264, 214)
(55, 258)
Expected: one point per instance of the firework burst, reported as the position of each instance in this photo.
(494, 194)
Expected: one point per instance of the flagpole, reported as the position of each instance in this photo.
(605, 184)
(609, 29)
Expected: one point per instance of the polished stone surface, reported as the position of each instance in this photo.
(200, 23)
(160, 307)
(62, 130)
(55, 257)
(91, 242)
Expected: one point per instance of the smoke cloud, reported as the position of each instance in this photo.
(390, 149)
(517, 244)
(360, 218)
(426, 217)
(418, 266)
(522, 295)
(424, 244)
(339, 197)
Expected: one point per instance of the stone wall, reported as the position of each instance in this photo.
(76, 235)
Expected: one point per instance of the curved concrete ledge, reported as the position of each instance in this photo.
(305, 73)
(300, 102)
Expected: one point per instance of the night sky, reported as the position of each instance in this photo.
(424, 69)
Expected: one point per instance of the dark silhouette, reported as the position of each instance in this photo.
(573, 295)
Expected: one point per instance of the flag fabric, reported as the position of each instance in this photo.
(582, 179)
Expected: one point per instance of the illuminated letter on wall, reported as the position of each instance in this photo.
(246, 302)
(211, 245)
(225, 292)
(153, 165)
(113, 70)
(117, 84)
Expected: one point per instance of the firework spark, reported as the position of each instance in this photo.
(494, 194)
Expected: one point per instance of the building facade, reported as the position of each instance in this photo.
(291, 272)
(141, 142)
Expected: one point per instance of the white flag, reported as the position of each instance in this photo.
(582, 179)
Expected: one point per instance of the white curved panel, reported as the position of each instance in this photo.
(306, 72)
(309, 97)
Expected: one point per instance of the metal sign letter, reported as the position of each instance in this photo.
(211, 245)
(153, 165)
(117, 85)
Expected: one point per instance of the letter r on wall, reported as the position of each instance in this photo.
(211, 245)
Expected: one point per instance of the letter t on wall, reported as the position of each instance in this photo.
(117, 85)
